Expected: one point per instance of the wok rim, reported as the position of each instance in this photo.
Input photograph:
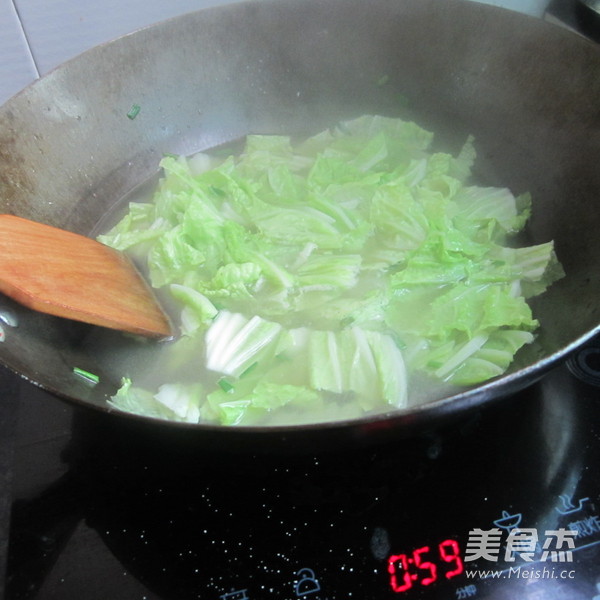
(406, 419)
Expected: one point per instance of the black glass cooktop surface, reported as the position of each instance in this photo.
(503, 503)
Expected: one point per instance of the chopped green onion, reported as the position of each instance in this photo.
(89, 377)
(402, 101)
(397, 340)
(249, 369)
(217, 191)
(225, 385)
(134, 111)
(347, 321)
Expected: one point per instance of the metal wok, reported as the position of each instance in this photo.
(71, 146)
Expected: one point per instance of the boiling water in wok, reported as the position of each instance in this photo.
(353, 273)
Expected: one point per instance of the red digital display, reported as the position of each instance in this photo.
(425, 565)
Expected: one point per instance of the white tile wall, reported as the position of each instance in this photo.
(37, 35)
(17, 68)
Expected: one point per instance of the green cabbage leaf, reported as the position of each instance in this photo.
(316, 279)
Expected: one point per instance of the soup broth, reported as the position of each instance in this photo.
(351, 273)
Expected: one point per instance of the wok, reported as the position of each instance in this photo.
(71, 146)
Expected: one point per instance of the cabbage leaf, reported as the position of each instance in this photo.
(319, 276)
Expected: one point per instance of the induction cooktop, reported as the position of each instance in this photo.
(503, 503)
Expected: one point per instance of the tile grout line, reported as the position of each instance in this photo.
(24, 32)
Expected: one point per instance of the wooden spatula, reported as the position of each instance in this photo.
(69, 275)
